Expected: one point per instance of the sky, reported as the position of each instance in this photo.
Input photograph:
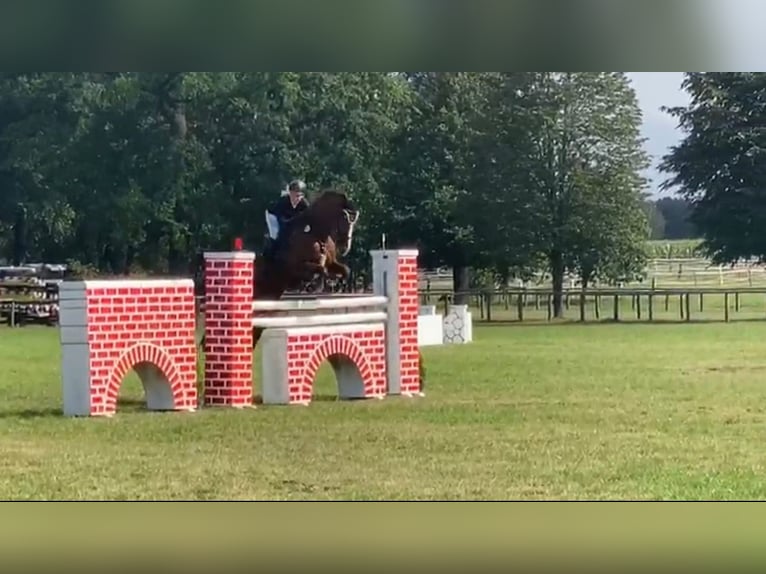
(654, 90)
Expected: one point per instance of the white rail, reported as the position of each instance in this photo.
(315, 320)
(318, 304)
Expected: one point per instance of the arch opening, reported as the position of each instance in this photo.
(349, 365)
(343, 374)
(145, 377)
(146, 385)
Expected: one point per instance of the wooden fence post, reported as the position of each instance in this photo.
(688, 307)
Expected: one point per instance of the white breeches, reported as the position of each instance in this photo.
(272, 223)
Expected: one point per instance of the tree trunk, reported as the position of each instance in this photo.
(20, 236)
(557, 271)
(461, 282)
(130, 257)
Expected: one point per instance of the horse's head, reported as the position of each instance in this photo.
(339, 215)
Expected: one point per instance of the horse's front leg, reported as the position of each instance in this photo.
(339, 269)
(313, 277)
(314, 268)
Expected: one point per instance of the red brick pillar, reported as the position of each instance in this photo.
(229, 329)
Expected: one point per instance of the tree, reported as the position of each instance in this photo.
(719, 165)
(435, 194)
(586, 175)
(344, 126)
(498, 172)
(38, 117)
(508, 211)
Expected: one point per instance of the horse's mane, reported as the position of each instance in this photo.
(321, 196)
(328, 193)
(307, 214)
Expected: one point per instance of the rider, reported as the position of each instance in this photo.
(288, 206)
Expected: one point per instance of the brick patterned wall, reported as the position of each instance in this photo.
(228, 329)
(407, 268)
(109, 328)
(307, 349)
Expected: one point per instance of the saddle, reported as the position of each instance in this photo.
(274, 248)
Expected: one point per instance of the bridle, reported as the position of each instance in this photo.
(351, 217)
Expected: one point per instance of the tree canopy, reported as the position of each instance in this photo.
(511, 172)
(719, 167)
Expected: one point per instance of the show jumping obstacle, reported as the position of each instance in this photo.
(111, 327)
(373, 353)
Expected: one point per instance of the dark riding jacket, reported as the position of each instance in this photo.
(284, 210)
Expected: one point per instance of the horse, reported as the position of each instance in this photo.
(308, 247)
(310, 242)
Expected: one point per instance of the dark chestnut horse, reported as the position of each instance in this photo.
(310, 243)
(309, 246)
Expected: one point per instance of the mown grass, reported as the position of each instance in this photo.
(632, 411)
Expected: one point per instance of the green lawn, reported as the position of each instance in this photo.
(630, 411)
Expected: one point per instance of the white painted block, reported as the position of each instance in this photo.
(274, 367)
(73, 335)
(73, 315)
(430, 330)
(75, 369)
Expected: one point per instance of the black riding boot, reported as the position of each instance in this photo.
(268, 248)
(272, 249)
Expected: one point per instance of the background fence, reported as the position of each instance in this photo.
(653, 305)
(681, 289)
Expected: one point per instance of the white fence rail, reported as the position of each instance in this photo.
(314, 320)
(321, 304)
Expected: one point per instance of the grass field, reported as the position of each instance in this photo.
(630, 411)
